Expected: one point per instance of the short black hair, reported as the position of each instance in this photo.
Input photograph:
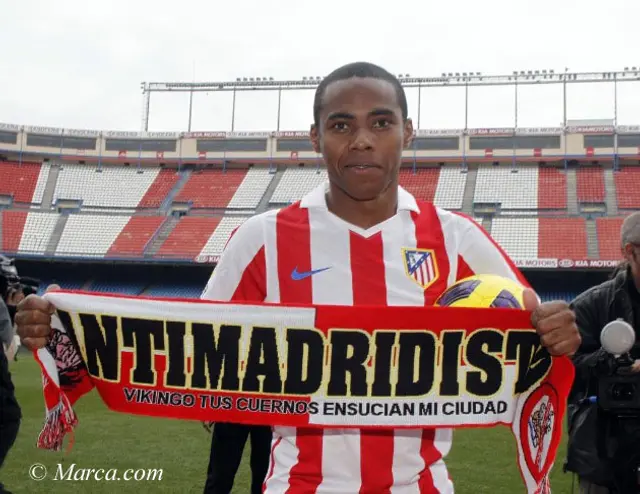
(364, 70)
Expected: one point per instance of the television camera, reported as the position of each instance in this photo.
(10, 280)
(618, 400)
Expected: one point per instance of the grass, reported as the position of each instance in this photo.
(482, 461)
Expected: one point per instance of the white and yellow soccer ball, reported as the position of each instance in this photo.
(483, 291)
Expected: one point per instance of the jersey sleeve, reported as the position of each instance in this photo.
(240, 274)
(480, 254)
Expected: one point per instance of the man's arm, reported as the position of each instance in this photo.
(240, 274)
(588, 321)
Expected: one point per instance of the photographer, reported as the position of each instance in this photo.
(593, 438)
(10, 413)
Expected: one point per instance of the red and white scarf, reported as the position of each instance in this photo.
(152, 356)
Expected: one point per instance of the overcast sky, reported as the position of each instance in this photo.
(79, 63)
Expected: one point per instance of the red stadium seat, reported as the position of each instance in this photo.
(19, 180)
(628, 187)
(609, 237)
(134, 236)
(552, 188)
(12, 229)
(562, 238)
(211, 188)
(590, 184)
(422, 184)
(159, 189)
(188, 237)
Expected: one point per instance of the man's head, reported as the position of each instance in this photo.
(630, 242)
(361, 127)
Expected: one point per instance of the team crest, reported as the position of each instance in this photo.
(539, 430)
(421, 266)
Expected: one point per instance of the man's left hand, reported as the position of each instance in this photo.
(555, 322)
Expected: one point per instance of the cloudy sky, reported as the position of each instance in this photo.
(79, 63)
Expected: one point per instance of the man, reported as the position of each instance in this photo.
(342, 245)
(616, 298)
(10, 413)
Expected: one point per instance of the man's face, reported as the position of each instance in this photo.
(631, 253)
(361, 136)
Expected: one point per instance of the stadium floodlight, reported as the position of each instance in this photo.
(447, 79)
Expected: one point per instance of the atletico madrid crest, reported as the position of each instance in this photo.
(421, 266)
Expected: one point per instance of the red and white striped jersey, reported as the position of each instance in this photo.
(305, 254)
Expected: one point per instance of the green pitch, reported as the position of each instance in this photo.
(481, 461)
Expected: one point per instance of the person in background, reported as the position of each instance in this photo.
(616, 298)
(10, 413)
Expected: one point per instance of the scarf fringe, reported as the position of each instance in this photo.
(60, 421)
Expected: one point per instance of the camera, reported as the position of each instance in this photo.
(618, 398)
(11, 281)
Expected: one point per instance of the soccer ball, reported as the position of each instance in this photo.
(483, 291)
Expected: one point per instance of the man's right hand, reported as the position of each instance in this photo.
(33, 320)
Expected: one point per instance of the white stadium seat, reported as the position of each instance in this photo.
(38, 228)
(249, 194)
(115, 186)
(218, 239)
(450, 190)
(90, 235)
(517, 236)
(513, 190)
(41, 183)
(296, 183)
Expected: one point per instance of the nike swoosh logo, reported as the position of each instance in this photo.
(296, 276)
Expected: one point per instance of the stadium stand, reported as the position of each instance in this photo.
(295, 183)
(135, 235)
(513, 188)
(562, 238)
(19, 180)
(12, 229)
(41, 183)
(552, 188)
(590, 185)
(159, 189)
(90, 235)
(218, 239)
(627, 181)
(105, 187)
(450, 191)
(518, 236)
(422, 183)
(36, 232)
(211, 188)
(609, 237)
(175, 289)
(123, 286)
(188, 237)
(252, 189)
(132, 211)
